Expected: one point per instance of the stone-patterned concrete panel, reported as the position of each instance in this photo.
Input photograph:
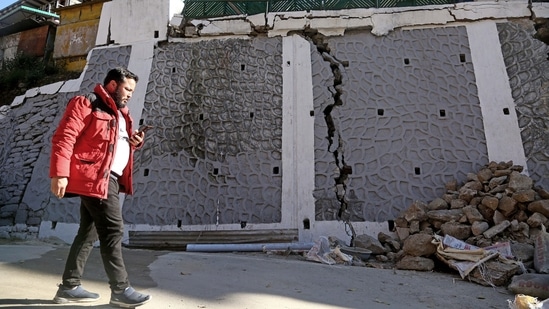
(100, 62)
(528, 70)
(214, 155)
(410, 120)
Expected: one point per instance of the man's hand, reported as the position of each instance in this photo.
(137, 138)
(58, 186)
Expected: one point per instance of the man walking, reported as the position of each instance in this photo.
(92, 157)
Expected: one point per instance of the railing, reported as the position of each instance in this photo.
(217, 8)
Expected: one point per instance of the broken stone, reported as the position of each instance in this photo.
(384, 238)
(467, 194)
(536, 220)
(415, 263)
(457, 230)
(498, 217)
(475, 201)
(445, 215)
(507, 206)
(514, 226)
(484, 175)
(521, 216)
(518, 168)
(519, 182)
(414, 227)
(496, 181)
(402, 233)
(490, 202)
(472, 214)
(494, 273)
(416, 212)
(541, 206)
(370, 243)
(504, 172)
(448, 197)
(382, 258)
(544, 194)
(479, 227)
(524, 228)
(457, 204)
(472, 177)
(419, 245)
(401, 222)
(486, 212)
(451, 185)
(473, 184)
(524, 196)
(437, 204)
(493, 231)
(498, 189)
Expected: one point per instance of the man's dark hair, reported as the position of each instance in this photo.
(119, 74)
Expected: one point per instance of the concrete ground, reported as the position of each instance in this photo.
(30, 271)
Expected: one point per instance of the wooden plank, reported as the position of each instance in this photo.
(180, 239)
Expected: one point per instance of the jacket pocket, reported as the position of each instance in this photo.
(100, 127)
(88, 164)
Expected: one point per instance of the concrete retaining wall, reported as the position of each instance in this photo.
(291, 129)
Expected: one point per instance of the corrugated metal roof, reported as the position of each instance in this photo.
(218, 8)
(26, 14)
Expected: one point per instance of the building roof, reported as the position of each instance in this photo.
(27, 14)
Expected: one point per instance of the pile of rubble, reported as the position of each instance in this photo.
(496, 205)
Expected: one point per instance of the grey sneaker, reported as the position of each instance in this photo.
(130, 298)
(75, 295)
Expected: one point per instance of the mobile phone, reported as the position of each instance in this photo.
(144, 128)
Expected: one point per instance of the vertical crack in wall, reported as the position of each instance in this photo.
(335, 141)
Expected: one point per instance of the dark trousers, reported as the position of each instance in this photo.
(99, 219)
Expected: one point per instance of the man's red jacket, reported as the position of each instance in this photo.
(83, 146)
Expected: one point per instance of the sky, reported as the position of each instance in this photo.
(4, 3)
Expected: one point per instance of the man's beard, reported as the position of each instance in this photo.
(117, 96)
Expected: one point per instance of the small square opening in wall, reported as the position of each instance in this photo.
(243, 224)
(156, 34)
(391, 225)
(140, 122)
(380, 112)
(251, 114)
(306, 224)
(417, 171)
(201, 117)
(146, 172)
(506, 111)
(406, 61)
(216, 171)
(442, 113)
(179, 222)
(173, 70)
(312, 113)
(462, 58)
(242, 67)
(53, 225)
(276, 170)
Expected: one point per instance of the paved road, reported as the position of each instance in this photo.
(29, 273)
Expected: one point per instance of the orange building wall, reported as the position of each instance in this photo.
(33, 42)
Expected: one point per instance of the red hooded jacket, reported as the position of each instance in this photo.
(83, 145)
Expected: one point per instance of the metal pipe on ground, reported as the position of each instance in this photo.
(248, 247)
